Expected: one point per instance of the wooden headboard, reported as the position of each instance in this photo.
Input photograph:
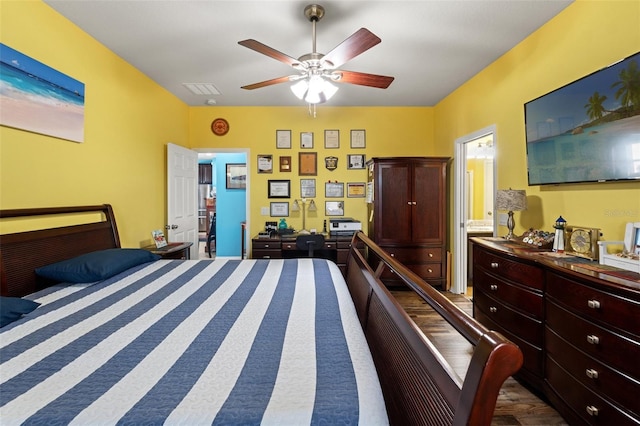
(22, 252)
(419, 386)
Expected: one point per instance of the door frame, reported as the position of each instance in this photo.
(461, 205)
(247, 152)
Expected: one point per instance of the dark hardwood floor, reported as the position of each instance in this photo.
(516, 405)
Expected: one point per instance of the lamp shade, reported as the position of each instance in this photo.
(511, 199)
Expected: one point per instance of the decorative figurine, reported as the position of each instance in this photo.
(558, 239)
(282, 224)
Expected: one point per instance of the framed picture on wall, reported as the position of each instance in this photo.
(265, 163)
(332, 139)
(306, 140)
(358, 139)
(237, 176)
(283, 139)
(285, 163)
(307, 188)
(334, 189)
(356, 189)
(334, 208)
(355, 161)
(307, 163)
(279, 209)
(279, 189)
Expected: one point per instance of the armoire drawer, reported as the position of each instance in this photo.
(518, 297)
(520, 272)
(409, 255)
(613, 349)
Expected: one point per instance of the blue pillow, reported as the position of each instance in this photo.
(12, 308)
(96, 266)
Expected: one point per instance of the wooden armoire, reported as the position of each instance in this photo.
(407, 216)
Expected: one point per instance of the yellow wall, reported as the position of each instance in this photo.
(586, 36)
(476, 165)
(128, 121)
(389, 132)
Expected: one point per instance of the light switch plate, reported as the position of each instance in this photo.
(264, 211)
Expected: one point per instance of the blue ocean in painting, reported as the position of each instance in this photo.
(36, 88)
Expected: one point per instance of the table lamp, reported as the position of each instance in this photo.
(296, 208)
(511, 200)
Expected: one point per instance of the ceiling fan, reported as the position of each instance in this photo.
(317, 71)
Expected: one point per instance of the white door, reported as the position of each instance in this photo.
(182, 196)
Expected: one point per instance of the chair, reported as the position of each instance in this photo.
(310, 242)
(212, 234)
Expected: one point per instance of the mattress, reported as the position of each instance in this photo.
(193, 342)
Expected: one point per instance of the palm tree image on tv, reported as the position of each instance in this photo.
(588, 130)
(627, 93)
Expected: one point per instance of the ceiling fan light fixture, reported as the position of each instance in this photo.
(314, 90)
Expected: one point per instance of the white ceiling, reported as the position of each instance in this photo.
(430, 47)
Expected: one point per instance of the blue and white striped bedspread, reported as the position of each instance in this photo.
(193, 342)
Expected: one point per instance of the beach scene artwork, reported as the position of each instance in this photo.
(36, 98)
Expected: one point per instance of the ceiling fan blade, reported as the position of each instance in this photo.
(364, 79)
(359, 42)
(267, 83)
(266, 50)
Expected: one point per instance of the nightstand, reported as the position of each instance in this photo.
(172, 250)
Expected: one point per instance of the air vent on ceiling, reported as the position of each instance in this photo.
(206, 89)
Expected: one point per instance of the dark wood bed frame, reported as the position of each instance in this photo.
(418, 385)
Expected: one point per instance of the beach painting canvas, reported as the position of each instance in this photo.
(36, 98)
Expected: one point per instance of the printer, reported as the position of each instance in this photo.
(344, 226)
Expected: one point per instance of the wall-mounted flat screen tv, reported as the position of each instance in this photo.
(588, 130)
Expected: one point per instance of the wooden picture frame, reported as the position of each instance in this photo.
(334, 189)
(236, 176)
(358, 138)
(308, 163)
(306, 140)
(356, 189)
(355, 161)
(332, 139)
(279, 209)
(265, 163)
(285, 163)
(279, 188)
(283, 139)
(307, 188)
(334, 208)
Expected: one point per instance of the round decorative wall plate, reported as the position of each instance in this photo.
(220, 127)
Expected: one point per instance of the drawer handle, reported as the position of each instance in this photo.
(266, 245)
(593, 304)
(494, 265)
(393, 255)
(429, 270)
(430, 254)
(266, 257)
(591, 373)
(493, 287)
(592, 411)
(493, 309)
(593, 339)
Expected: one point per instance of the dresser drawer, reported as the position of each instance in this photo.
(612, 349)
(599, 306)
(520, 272)
(407, 255)
(592, 408)
(527, 328)
(597, 377)
(266, 244)
(520, 298)
(533, 357)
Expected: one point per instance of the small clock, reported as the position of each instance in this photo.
(220, 127)
(582, 241)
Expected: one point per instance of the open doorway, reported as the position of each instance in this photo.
(474, 198)
(223, 213)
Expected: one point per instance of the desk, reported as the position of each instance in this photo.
(172, 250)
(335, 248)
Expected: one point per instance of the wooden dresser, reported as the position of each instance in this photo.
(408, 214)
(577, 323)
